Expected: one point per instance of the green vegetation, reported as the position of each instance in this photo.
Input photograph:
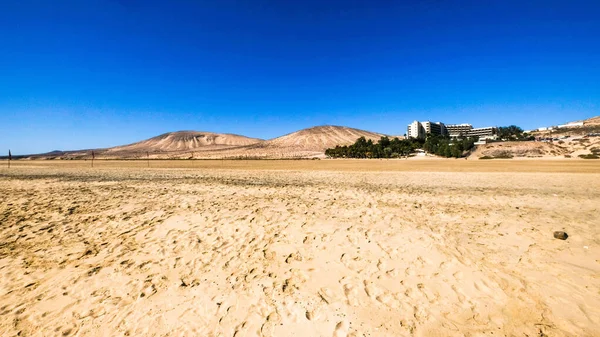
(395, 148)
(384, 148)
(502, 155)
(446, 147)
(514, 133)
(589, 156)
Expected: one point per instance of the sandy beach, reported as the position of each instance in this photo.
(300, 248)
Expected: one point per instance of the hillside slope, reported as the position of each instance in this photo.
(592, 121)
(571, 147)
(185, 141)
(320, 138)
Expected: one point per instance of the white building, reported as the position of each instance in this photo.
(488, 132)
(434, 128)
(571, 125)
(415, 130)
(458, 130)
(421, 129)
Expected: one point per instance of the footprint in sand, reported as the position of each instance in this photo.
(351, 293)
(341, 329)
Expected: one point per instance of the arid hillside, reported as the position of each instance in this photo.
(592, 121)
(312, 143)
(519, 149)
(306, 143)
(590, 125)
(185, 141)
(564, 148)
(566, 142)
(320, 138)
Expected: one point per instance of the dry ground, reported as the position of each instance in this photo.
(300, 248)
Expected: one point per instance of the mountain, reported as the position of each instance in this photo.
(186, 141)
(306, 143)
(320, 138)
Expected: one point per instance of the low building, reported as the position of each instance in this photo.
(458, 130)
(487, 132)
(571, 125)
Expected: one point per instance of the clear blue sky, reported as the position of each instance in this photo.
(86, 74)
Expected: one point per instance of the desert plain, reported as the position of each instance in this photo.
(300, 248)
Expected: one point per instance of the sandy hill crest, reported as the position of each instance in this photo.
(519, 150)
(320, 138)
(186, 141)
(592, 121)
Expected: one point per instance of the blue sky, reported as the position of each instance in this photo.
(88, 74)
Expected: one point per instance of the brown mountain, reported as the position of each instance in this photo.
(186, 141)
(320, 138)
(306, 143)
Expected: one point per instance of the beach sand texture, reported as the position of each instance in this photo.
(300, 248)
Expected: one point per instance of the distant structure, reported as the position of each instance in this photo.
(563, 126)
(415, 130)
(458, 130)
(571, 125)
(421, 129)
(490, 132)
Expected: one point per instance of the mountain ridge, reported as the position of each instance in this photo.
(305, 143)
(185, 141)
(308, 142)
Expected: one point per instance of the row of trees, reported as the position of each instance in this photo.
(395, 148)
(513, 132)
(437, 144)
(446, 147)
(384, 148)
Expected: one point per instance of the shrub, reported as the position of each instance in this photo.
(589, 156)
(504, 155)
